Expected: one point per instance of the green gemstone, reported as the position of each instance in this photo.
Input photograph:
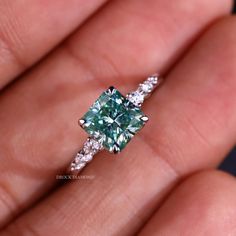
(113, 119)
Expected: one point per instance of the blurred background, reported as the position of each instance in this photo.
(229, 164)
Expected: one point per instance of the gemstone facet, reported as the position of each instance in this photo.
(113, 120)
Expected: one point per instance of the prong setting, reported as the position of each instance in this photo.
(144, 119)
(111, 90)
(82, 122)
(116, 149)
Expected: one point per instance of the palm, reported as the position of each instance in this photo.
(191, 128)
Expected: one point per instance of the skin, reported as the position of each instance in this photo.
(164, 182)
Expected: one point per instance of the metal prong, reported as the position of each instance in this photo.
(144, 118)
(116, 149)
(81, 122)
(111, 90)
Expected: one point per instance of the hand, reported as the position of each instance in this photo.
(164, 182)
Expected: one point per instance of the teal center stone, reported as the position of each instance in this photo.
(113, 119)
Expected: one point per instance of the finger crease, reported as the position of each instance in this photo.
(7, 49)
(173, 169)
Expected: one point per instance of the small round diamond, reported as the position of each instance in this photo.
(95, 145)
(146, 87)
(78, 158)
(136, 98)
(153, 79)
(86, 157)
(92, 146)
(79, 166)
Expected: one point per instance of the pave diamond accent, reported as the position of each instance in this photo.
(85, 155)
(144, 90)
(137, 98)
(113, 120)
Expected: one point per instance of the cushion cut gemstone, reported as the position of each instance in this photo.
(113, 119)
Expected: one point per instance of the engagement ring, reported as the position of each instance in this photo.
(112, 121)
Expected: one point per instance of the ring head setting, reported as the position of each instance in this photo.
(113, 120)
